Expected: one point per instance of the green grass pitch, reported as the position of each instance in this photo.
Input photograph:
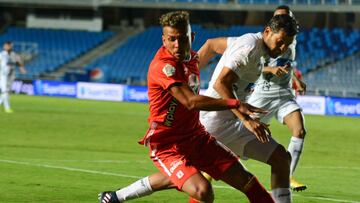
(68, 150)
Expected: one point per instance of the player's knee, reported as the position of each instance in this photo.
(280, 159)
(203, 192)
(299, 133)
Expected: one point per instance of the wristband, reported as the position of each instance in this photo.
(233, 103)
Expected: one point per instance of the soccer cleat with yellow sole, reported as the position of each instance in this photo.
(296, 186)
(9, 111)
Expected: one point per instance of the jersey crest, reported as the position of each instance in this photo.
(168, 70)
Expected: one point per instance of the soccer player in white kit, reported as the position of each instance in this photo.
(273, 92)
(8, 62)
(239, 66)
(238, 69)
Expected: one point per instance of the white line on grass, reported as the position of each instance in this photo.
(70, 169)
(145, 161)
(137, 177)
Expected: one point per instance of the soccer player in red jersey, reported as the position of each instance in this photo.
(179, 145)
(297, 84)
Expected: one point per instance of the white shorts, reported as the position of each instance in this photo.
(6, 82)
(279, 107)
(234, 135)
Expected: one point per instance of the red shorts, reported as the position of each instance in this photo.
(200, 152)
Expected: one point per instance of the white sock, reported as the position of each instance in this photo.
(138, 189)
(295, 149)
(281, 195)
(6, 100)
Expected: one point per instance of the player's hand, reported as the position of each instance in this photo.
(280, 71)
(259, 129)
(22, 70)
(250, 110)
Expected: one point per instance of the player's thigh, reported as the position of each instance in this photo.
(267, 103)
(245, 144)
(9, 83)
(173, 165)
(3, 83)
(160, 181)
(211, 156)
(197, 185)
(224, 130)
(260, 151)
(287, 107)
(296, 123)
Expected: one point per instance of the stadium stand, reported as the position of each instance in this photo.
(318, 47)
(130, 61)
(55, 47)
(338, 79)
(315, 48)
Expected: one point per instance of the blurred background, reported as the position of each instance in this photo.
(113, 41)
(67, 150)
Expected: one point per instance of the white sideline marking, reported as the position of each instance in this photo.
(70, 169)
(145, 161)
(137, 177)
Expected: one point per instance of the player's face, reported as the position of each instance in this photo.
(176, 41)
(8, 47)
(280, 12)
(276, 42)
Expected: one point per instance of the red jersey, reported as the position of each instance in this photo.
(169, 120)
(299, 76)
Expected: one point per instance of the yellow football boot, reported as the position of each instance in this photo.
(296, 186)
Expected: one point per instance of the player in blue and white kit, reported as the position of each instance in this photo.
(273, 92)
(8, 62)
(238, 69)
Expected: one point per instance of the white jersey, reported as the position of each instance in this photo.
(269, 85)
(8, 63)
(243, 55)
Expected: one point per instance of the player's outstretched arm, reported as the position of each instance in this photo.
(210, 49)
(223, 86)
(184, 94)
(21, 65)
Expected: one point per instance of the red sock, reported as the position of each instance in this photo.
(192, 200)
(256, 193)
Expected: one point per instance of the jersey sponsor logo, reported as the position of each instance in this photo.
(169, 70)
(174, 165)
(266, 85)
(180, 174)
(170, 113)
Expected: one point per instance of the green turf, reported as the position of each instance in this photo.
(67, 150)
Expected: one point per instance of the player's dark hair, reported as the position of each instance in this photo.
(285, 7)
(284, 22)
(8, 42)
(175, 19)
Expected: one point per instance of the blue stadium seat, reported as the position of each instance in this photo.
(56, 47)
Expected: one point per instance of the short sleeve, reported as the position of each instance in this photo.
(166, 74)
(230, 40)
(237, 58)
